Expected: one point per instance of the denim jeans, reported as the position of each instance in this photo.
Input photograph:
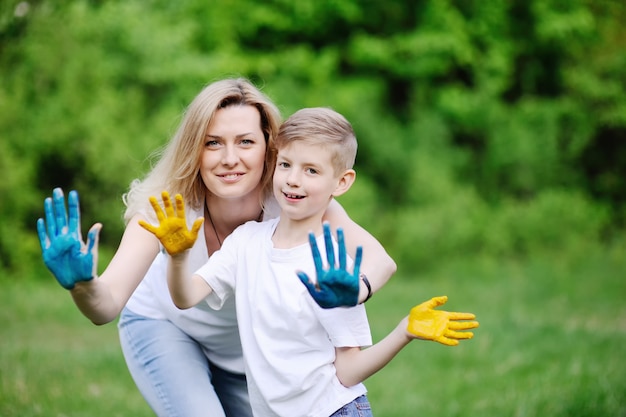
(173, 374)
(360, 407)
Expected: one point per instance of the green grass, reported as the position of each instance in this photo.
(551, 343)
(54, 362)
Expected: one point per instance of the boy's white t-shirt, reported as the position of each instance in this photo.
(288, 340)
(215, 330)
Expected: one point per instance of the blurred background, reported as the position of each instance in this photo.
(491, 165)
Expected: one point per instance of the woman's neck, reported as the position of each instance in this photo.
(222, 216)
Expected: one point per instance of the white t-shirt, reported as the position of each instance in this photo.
(288, 340)
(215, 330)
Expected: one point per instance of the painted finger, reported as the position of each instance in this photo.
(195, 227)
(167, 203)
(180, 206)
(317, 257)
(50, 222)
(150, 228)
(432, 303)
(93, 236)
(342, 249)
(462, 325)
(43, 237)
(458, 335)
(447, 341)
(58, 201)
(461, 316)
(74, 210)
(157, 209)
(357, 261)
(328, 241)
(304, 278)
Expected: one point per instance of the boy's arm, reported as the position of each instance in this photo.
(378, 266)
(354, 365)
(186, 289)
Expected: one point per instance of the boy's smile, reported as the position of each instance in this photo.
(304, 180)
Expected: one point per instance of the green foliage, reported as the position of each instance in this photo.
(464, 226)
(470, 115)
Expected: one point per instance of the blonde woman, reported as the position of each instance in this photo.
(187, 362)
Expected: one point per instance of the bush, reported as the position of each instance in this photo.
(465, 226)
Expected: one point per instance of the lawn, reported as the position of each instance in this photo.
(551, 343)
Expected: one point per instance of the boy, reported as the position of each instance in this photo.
(301, 359)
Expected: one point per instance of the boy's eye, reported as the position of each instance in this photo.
(311, 170)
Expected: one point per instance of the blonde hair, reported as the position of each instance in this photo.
(178, 167)
(321, 126)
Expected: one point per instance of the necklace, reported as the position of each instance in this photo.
(213, 224)
(208, 212)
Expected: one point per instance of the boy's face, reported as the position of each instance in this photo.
(304, 180)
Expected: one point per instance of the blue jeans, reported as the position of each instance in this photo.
(173, 374)
(360, 407)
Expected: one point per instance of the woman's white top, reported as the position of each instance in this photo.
(215, 330)
(288, 340)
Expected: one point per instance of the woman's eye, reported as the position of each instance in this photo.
(247, 142)
(211, 143)
(283, 164)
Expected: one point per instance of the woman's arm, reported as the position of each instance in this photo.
(74, 262)
(377, 265)
(102, 299)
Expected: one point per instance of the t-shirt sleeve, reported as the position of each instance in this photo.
(346, 326)
(220, 272)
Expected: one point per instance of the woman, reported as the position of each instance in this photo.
(187, 362)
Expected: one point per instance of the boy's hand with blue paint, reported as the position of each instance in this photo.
(335, 286)
(65, 254)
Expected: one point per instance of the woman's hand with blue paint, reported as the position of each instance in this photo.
(335, 285)
(65, 254)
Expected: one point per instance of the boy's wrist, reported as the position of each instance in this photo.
(365, 288)
(180, 257)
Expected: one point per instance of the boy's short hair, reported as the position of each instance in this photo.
(321, 126)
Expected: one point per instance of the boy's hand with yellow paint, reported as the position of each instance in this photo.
(172, 230)
(424, 322)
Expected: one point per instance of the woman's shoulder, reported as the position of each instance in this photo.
(271, 209)
(253, 226)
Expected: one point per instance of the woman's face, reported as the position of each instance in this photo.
(234, 152)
